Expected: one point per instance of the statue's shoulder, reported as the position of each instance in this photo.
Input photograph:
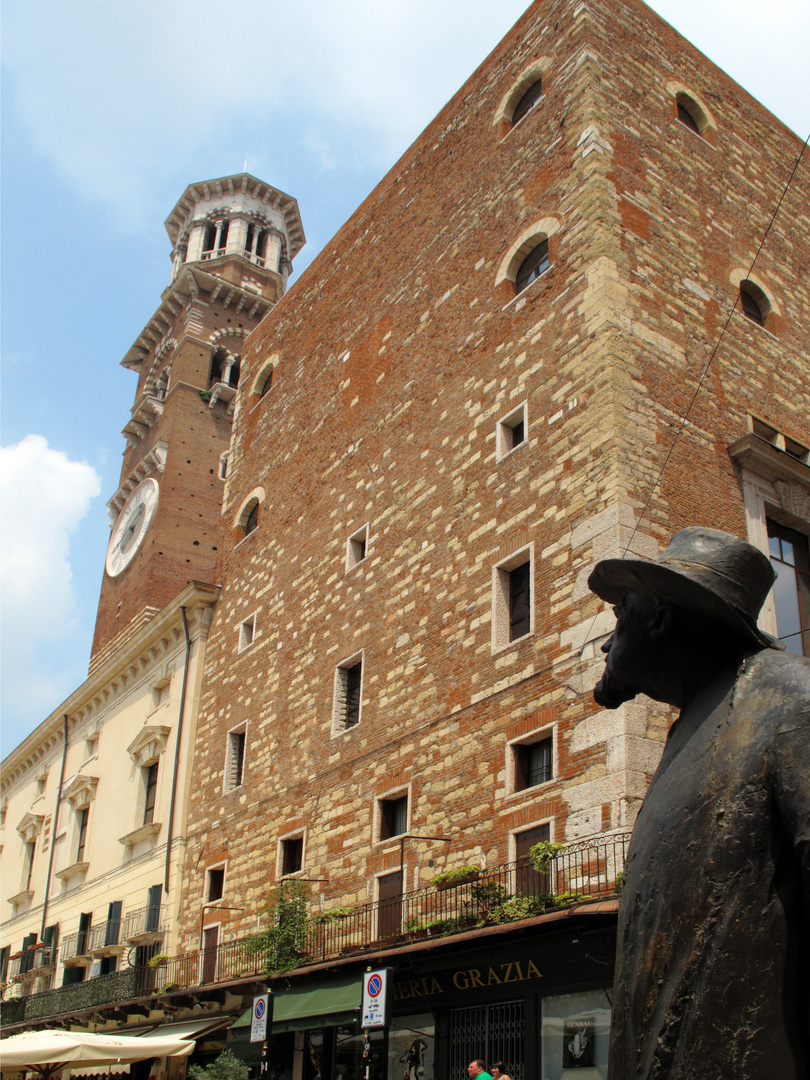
(782, 677)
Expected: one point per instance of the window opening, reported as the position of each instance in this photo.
(511, 432)
(686, 118)
(393, 817)
(353, 680)
(84, 815)
(519, 601)
(223, 235)
(790, 558)
(30, 852)
(113, 929)
(533, 764)
(247, 632)
(389, 888)
(235, 764)
(252, 520)
(535, 264)
(292, 855)
(216, 884)
(154, 899)
(267, 384)
(528, 101)
(753, 301)
(251, 229)
(150, 779)
(209, 236)
(357, 547)
(261, 244)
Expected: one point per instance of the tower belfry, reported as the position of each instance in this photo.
(233, 242)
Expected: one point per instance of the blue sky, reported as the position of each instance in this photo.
(109, 111)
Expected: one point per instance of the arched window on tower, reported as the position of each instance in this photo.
(261, 246)
(527, 101)
(217, 364)
(754, 302)
(209, 237)
(249, 236)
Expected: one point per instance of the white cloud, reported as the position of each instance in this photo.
(44, 495)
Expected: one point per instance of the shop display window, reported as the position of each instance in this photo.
(576, 1029)
(411, 1047)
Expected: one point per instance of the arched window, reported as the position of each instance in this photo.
(528, 101)
(266, 385)
(217, 364)
(209, 237)
(754, 302)
(535, 264)
(252, 519)
(686, 118)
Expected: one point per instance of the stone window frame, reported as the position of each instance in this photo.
(233, 777)
(775, 484)
(80, 795)
(293, 834)
(222, 469)
(504, 429)
(501, 614)
(265, 380)
(762, 294)
(223, 866)
(252, 501)
(511, 842)
(247, 632)
(528, 240)
(339, 697)
(535, 71)
(530, 738)
(401, 791)
(357, 547)
(685, 97)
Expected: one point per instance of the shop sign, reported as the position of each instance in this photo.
(468, 978)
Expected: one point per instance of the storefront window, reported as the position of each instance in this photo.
(411, 1047)
(576, 1029)
(349, 1063)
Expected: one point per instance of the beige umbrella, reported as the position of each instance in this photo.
(49, 1051)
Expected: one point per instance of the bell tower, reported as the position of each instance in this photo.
(233, 242)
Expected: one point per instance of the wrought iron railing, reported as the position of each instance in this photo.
(504, 894)
(142, 923)
(586, 870)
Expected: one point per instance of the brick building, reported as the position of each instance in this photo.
(551, 334)
(479, 388)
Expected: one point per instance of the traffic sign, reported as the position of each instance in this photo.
(258, 1020)
(376, 998)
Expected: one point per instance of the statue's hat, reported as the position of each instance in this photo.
(703, 570)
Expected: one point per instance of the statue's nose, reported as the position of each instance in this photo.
(606, 646)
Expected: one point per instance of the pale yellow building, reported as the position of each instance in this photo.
(94, 817)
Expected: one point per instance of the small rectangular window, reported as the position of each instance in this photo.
(247, 633)
(292, 855)
(393, 817)
(533, 764)
(512, 599)
(348, 695)
(30, 852)
(235, 759)
(215, 884)
(511, 432)
(150, 774)
(356, 547)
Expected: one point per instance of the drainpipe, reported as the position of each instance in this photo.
(177, 751)
(53, 831)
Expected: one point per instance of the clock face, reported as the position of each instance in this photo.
(131, 525)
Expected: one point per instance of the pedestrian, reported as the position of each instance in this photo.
(477, 1070)
(499, 1071)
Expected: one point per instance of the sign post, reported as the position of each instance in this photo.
(376, 1008)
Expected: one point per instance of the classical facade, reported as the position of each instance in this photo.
(553, 333)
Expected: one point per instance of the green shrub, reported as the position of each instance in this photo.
(225, 1067)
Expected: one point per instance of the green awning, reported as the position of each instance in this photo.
(311, 1004)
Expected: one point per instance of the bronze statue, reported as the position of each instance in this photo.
(713, 959)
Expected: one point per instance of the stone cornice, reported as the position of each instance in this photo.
(186, 287)
(768, 461)
(143, 648)
(80, 791)
(30, 826)
(148, 744)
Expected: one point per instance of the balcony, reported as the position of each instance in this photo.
(144, 926)
(105, 939)
(579, 874)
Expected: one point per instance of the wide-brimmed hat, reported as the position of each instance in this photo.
(705, 571)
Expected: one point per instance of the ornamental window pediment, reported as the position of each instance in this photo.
(81, 791)
(148, 744)
(30, 827)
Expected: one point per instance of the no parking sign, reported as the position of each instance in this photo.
(376, 1007)
(262, 1011)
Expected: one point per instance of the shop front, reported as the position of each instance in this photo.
(536, 999)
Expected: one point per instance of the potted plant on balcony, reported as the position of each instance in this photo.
(541, 854)
(459, 875)
(335, 915)
(158, 960)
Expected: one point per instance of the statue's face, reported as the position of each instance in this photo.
(633, 654)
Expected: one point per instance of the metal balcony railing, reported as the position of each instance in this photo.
(587, 870)
(504, 894)
(74, 945)
(143, 924)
